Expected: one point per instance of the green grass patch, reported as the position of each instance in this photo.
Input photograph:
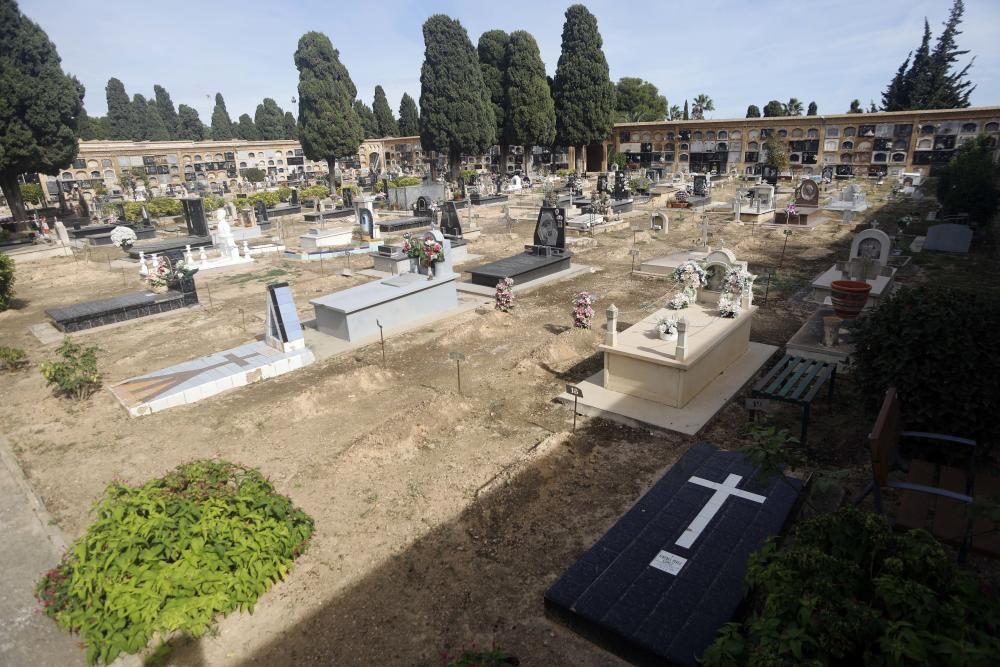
(167, 556)
(266, 276)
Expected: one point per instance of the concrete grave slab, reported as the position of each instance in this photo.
(659, 584)
(948, 237)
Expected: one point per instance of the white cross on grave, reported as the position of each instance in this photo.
(672, 563)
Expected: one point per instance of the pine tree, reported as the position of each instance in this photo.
(492, 52)
(686, 115)
(384, 120)
(855, 107)
(291, 129)
(948, 90)
(329, 127)
(638, 101)
(120, 117)
(189, 125)
(269, 120)
(367, 118)
(897, 96)
(40, 105)
(583, 92)
(753, 111)
(871, 107)
(165, 106)
(245, 129)
(222, 124)
(409, 117)
(531, 111)
(455, 112)
(153, 127)
(812, 110)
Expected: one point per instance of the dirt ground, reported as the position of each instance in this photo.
(441, 518)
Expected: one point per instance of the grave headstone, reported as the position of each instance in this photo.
(620, 190)
(423, 207)
(807, 194)
(194, 216)
(948, 237)
(120, 209)
(282, 328)
(366, 221)
(550, 229)
(61, 232)
(260, 209)
(700, 187)
(293, 198)
(451, 225)
(602, 183)
(348, 196)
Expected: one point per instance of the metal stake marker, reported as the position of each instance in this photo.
(459, 357)
(382, 340)
(576, 393)
(788, 233)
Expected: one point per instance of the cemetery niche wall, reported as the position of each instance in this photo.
(546, 256)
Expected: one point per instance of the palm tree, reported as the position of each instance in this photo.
(794, 107)
(675, 112)
(700, 105)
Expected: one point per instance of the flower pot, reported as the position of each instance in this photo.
(665, 335)
(849, 297)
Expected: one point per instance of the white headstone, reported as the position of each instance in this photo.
(61, 232)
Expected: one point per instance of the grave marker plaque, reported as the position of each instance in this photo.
(194, 216)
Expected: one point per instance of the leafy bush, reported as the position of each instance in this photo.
(267, 196)
(933, 345)
(315, 192)
(401, 182)
(31, 193)
(7, 279)
(157, 207)
(968, 185)
(167, 556)
(211, 202)
(76, 376)
(565, 172)
(12, 358)
(254, 175)
(850, 591)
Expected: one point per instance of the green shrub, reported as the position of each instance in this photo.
(157, 207)
(76, 376)
(7, 279)
(211, 202)
(315, 192)
(167, 556)
(254, 175)
(12, 358)
(267, 196)
(31, 193)
(565, 172)
(850, 591)
(284, 193)
(935, 346)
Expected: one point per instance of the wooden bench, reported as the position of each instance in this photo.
(797, 380)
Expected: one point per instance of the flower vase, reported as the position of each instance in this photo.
(430, 270)
(667, 335)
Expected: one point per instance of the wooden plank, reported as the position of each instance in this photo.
(915, 507)
(950, 519)
(986, 533)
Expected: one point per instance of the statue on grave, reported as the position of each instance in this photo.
(224, 236)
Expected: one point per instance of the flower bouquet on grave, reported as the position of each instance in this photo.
(164, 274)
(666, 327)
(691, 275)
(728, 307)
(791, 210)
(123, 237)
(583, 310)
(737, 282)
(504, 297)
(679, 301)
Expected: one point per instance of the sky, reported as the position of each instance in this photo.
(736, 52)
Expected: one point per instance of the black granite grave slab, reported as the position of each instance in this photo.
(490, 199)
(279, 211)
(90, 314)
(522, 268)
(170, 247)
(659, 584)
(402, 224)
(328, 215)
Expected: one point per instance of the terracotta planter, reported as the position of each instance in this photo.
(849, 297)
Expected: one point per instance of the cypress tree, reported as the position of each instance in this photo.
(584, 94)
(245, 129)
(455, 112)
(222, 124)
(120, 117)
(387, 126)
(165, 106)
(686, 110)
(153, 127)
(367, 118)
(947, 90)
(291, 130)
(492, 52)
(189, 125)
(855, 107)
(409, 117)
(753, 111)
(138, 110)
(40, 105)
(269, 120)
(774, 108)
(896, 96)
(812, 110)
(531, 112)
(329, 127)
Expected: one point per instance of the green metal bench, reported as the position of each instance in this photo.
(797, 380)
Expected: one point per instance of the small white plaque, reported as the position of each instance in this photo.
(668, 562)
(759, 404)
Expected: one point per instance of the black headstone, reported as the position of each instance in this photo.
(620, 192)
(550, 229)
(367, 221)
(769, 174)
(194, 216)
(828, 173)
(450, 223)
(348, 196)
(700, 185)
(145, 216)
(120, 208)
(261, 210)
(602, 183)
(423, 206)
(293, 198)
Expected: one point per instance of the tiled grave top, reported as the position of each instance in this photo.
(518, 264)
(86, 308)
(705, 330)
(379, 291)
(658, 585)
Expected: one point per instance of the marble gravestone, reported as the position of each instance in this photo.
(194, 216)
(260, 209)
(451, 224)
(658, 585)
(948, 237)
(868, 261)
(807, 194)
(547, 254)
